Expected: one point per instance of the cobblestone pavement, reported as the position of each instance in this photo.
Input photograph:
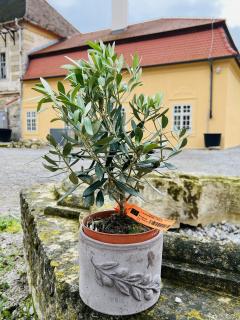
(209, 162)
(21, 168)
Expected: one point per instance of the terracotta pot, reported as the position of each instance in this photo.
(119, 274)
(115, 238)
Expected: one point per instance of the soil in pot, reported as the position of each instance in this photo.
(116, 224)
(109, 227)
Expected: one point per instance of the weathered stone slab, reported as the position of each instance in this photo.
(190, 199)
(193, 199)
(51, 250)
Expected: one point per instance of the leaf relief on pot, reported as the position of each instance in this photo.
(137, 285)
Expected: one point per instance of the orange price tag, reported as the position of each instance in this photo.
(146, 218)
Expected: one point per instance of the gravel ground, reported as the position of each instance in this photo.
(21, 168)
(15, 301)
(223, 232)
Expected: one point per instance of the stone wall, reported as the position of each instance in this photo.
(193, 199)
(189, 199)
(51, 252)
(32, 38)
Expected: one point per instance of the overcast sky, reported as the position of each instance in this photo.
(92, 15)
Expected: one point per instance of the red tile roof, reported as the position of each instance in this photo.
(133, 31)
(186, 47)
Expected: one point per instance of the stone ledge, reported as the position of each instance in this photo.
(51, 250)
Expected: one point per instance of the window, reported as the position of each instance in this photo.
(3, 65)
(182, 117)
(31, 121)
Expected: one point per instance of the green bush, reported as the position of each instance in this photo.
(122, 149)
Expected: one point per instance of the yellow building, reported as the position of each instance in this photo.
(193, 62)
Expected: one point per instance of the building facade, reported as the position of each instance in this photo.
(24, 27)
(193, 62)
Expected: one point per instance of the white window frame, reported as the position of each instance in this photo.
(31, 121)
(180, 110)
(4, 78)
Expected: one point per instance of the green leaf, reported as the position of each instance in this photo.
(96, 126)
(99, 171)
(183, 143)
(70, 191)
(52, 140)
(70, 139)
(52, 169)
(169, 166)
(182, 132)
(88, 126)
(164, 121)
(73, 178)
(67, 149)
(135, 111)
(138, 134)
(104, 141)
(125, 188)
(133, 124)
(55, 119)
(101, 81)
(87, 108)
(61, 87)
(54, 152)
(75, 92)
(100, 199)
(49, 160)
(118, 78)
(96, 185)
(84, 177)
(94, 45)
(47, 87)
(89, 200)
(42, 101)
(149, 147)
(135, 62)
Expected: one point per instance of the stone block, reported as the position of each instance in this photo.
(51, 252)
(192, 199)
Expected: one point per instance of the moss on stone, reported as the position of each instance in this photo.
(48, 236)
(191, 196)
(174, 190)
(194, 315)
(10, 225)
(54, 263)
(56, 193)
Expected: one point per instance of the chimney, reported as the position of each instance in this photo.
(119, 15)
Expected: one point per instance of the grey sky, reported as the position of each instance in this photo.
(92, 15)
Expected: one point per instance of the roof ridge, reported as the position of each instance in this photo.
(38, 12)
(176, 18)
(154, 20)
(150, 28)
(50, 6)
(226, 42)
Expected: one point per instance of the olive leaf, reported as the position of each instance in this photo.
(99, 127)
(137, 285)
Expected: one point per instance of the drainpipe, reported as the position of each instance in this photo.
(210, 110)
(211, 90)
(20, 45)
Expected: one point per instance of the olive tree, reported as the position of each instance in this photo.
(122, 149)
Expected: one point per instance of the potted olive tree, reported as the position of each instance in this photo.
(122, 137)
